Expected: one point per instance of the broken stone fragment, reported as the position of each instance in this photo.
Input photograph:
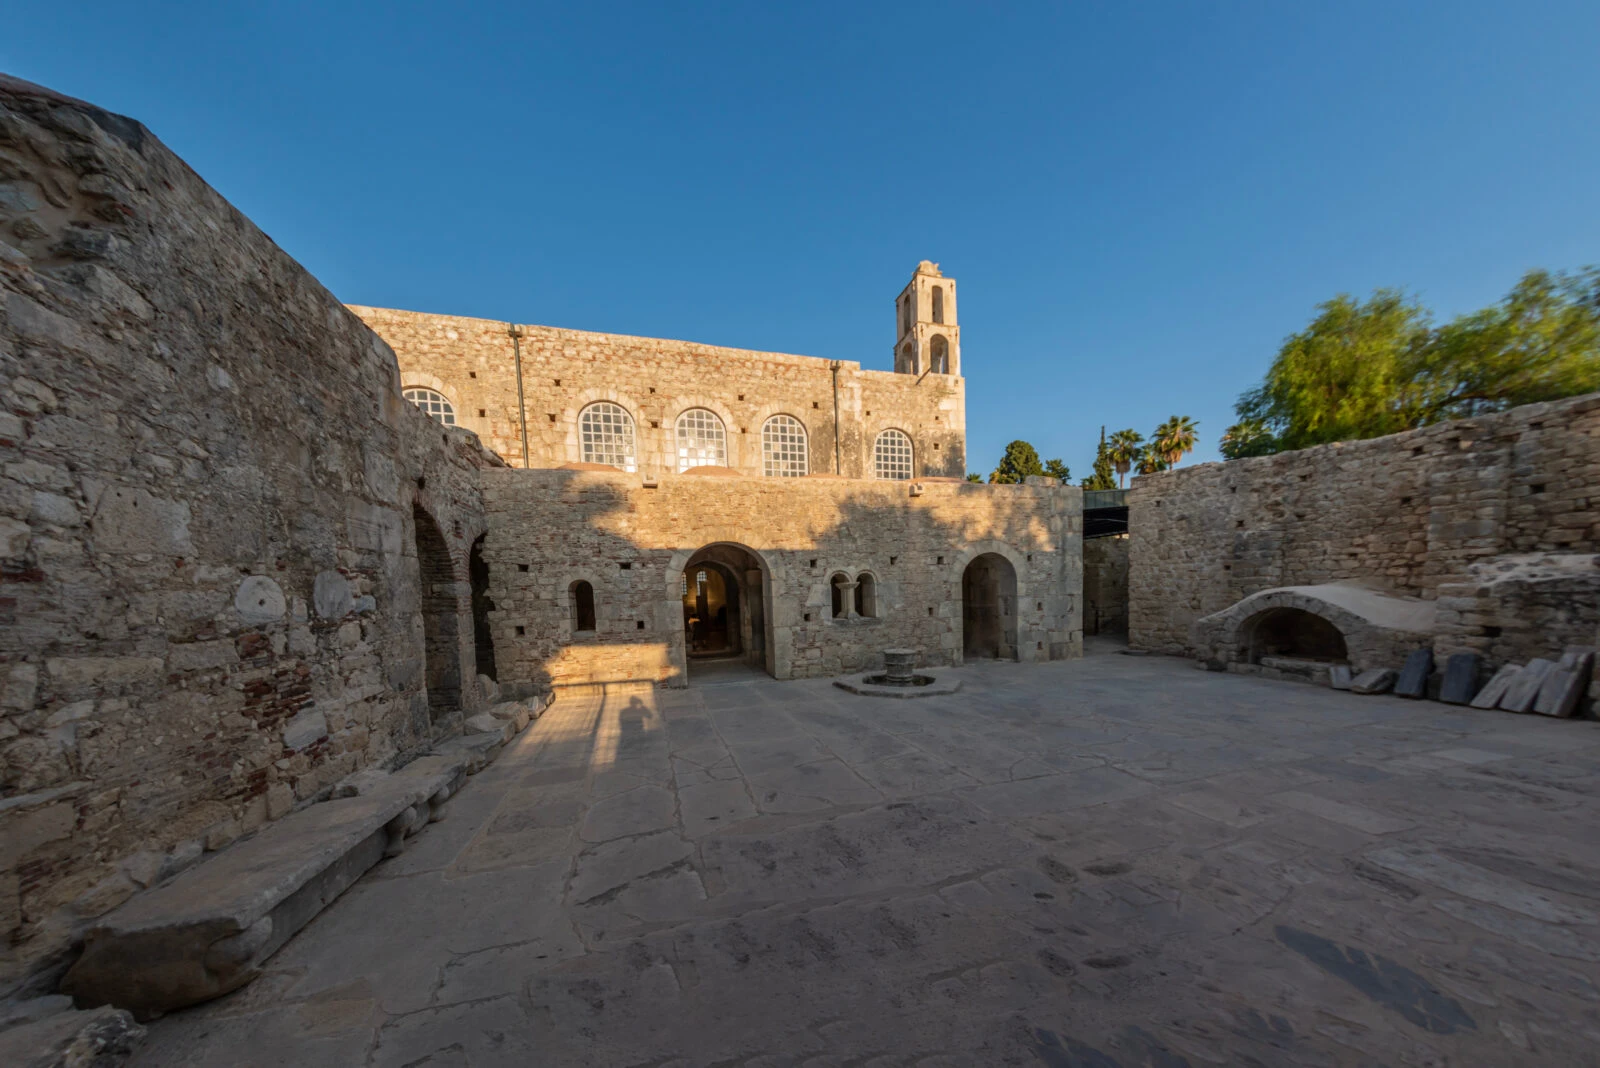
(1460, 678)
(1373, 680)
(1564, 685)
(1490, 695)
(1520, 695)
(1339, 676)
(1413, 680)
(99, 1038)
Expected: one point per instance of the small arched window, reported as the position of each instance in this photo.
(841, 605)
(939, 355)
(433, 403)
(783, 447)
(891, 455)
(907, 312)
(582, 596)
(605, 433)
(938, 304)
(866, 595)
(702, 440)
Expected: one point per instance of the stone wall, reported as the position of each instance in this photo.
(207, 484)
(472, 363)
(551, 528)
(1105, 586)
(1410, 514)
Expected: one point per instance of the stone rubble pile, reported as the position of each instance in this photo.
(1545, 687)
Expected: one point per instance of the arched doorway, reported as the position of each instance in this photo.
(723, 600)
(441, 620)
(989, 609)
(1293, 633)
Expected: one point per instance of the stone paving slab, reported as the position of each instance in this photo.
(1113, 862)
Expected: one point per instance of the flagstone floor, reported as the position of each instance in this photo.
(1117, 861)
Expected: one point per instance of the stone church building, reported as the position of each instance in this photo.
(256, 542)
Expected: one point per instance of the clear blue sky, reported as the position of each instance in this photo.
(1139, 201)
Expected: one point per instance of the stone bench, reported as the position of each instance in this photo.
(209, 930)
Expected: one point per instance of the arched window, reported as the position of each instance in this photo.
(702, 440)
(783, 447)
(938, 304)
(939, 355)
(891, 455)
(605, 431)
(907, 310)
(839, 582)
(907, 364)
(582, 597)
(866, 595)
(433, 403)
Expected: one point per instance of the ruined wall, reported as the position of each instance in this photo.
(471, 362)
(207, 478)
(1105, 586)
(1408, 514)
(549, 528)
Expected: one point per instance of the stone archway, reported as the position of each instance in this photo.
(989, 609)
(441, 617)
(742, 630)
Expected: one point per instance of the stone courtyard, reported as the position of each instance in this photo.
(1117, 860)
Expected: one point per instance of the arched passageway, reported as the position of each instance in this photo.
(1296, 633)
(723, 593)
(989, 609)
(441, 621)
(482, 605)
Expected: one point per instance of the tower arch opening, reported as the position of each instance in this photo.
(939, 355)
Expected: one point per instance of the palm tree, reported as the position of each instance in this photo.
(1151, 460)
(1125, 450)
(1174, 438)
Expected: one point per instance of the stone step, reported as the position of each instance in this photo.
(209, 930)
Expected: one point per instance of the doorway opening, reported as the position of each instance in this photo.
(441, 619)
(723, 599)
(989, 609)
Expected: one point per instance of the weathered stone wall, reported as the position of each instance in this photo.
(1409, 514)
(1105, 585)
(207, 479)
(472, 363)
(550, 528)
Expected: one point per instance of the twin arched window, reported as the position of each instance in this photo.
(605, 433)
(433, 403)
(863, 598)
(783, 447)
(701, 439)
(891, 455)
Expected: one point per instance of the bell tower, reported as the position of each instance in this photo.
(927, 339)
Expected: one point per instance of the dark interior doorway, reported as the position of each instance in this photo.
(1296, 633)
(482, 605)
(989, 609)
(441, 621)
(723, 600)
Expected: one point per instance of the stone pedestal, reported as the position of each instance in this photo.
(899, 664)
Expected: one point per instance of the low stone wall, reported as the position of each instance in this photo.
(1409, 514)
(631, 542)
(208, 490)
(1105, 586)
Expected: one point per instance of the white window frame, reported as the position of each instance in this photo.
(785, 447)
(432, 403)
(700, 438)
(893, 455)
(607, 435)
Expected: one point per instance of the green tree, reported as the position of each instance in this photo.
(973, 476)
(1126, 449)
(1057, 470)
(1250, 437)
(1174, 438)
(1366, 368)
(1020, 461)
(1103, 477)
